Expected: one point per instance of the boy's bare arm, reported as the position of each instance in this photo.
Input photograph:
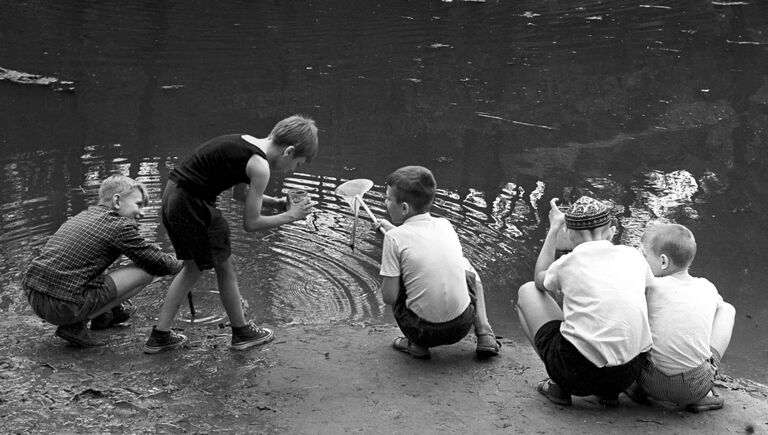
(390, 289)
(240, 193)
(258, 173)
(548, 249)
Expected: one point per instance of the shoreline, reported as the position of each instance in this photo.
(335, 378)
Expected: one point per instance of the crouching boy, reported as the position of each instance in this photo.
(66, 284)
(690, 323)
(436, 295)
(597, 343)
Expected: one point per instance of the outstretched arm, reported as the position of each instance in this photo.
(547, 254)
(258, 174)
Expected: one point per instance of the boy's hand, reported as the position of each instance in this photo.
(299, 210)
(556, 216)
(384, 225)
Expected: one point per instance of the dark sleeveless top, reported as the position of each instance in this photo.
(215, 166)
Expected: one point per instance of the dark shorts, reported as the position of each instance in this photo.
(568, 368)
(428, 334)
(60, 312)
(197, 229)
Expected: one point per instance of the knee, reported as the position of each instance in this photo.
(525, 293)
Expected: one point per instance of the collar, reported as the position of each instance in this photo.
(423, 217)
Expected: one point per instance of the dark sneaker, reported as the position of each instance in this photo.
(159, 341)
(117, 315)
(250, 335)
(78, 335)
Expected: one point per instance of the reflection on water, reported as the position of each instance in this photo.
(658, 108)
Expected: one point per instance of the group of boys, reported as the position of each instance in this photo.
(642, 326)
(613, 308)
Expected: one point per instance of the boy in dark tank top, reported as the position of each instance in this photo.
(200, 233)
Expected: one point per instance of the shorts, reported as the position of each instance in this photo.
(569, 369)
(197, 229)
(428, 334)
(60, 312)
(682, 388)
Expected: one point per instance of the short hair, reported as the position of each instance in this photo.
(415, 185)
(674, 240)
(297, 131)
(120, 185)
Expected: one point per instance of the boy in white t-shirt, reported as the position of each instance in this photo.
(691, 325)
(436, 295)
(597, 343)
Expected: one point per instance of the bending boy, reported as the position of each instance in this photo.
(436, 295)
(200, 233)
(66, 284)
(690, 323)
(596, 344)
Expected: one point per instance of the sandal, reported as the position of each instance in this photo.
(487, 345)
(710, 402)
(554, 392)
(403, 344)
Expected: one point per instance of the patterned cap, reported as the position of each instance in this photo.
(586, 214)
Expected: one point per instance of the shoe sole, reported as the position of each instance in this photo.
(157, 349)
(249, 344)
(79, 343)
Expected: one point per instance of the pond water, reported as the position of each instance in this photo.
(659, 107)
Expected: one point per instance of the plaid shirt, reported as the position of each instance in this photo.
(74, 259)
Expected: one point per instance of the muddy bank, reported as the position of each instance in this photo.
(331, 379)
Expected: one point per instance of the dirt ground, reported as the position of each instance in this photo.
(343, 378)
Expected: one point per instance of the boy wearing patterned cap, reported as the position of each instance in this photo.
(597, 343)
(690, 323)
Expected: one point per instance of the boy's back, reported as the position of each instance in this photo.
(681, 313)
(604, 306)
(427, 253)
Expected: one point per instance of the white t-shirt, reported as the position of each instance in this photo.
(604, 306)
(681, 315)
(427, 253)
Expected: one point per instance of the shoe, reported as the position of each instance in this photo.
(117, 315)
(404, 345)
(159, 341)
(710, 402)
(637, 394)
(609, 402)
(250, 335)
(487, 345)
(554, 392)
(77, 334)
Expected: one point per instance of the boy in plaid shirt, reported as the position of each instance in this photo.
(66, 284)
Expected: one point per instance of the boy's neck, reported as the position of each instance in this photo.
(264, 144)
(681, 274)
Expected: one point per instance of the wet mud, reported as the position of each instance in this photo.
(341, 378)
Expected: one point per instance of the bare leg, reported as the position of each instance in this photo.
(129, 281)
(722, 328)
(229, 292)
(178, 290)
(481, 317)
(534, 309)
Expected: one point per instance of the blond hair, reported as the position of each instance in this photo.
(674, 240)
(120, 185)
